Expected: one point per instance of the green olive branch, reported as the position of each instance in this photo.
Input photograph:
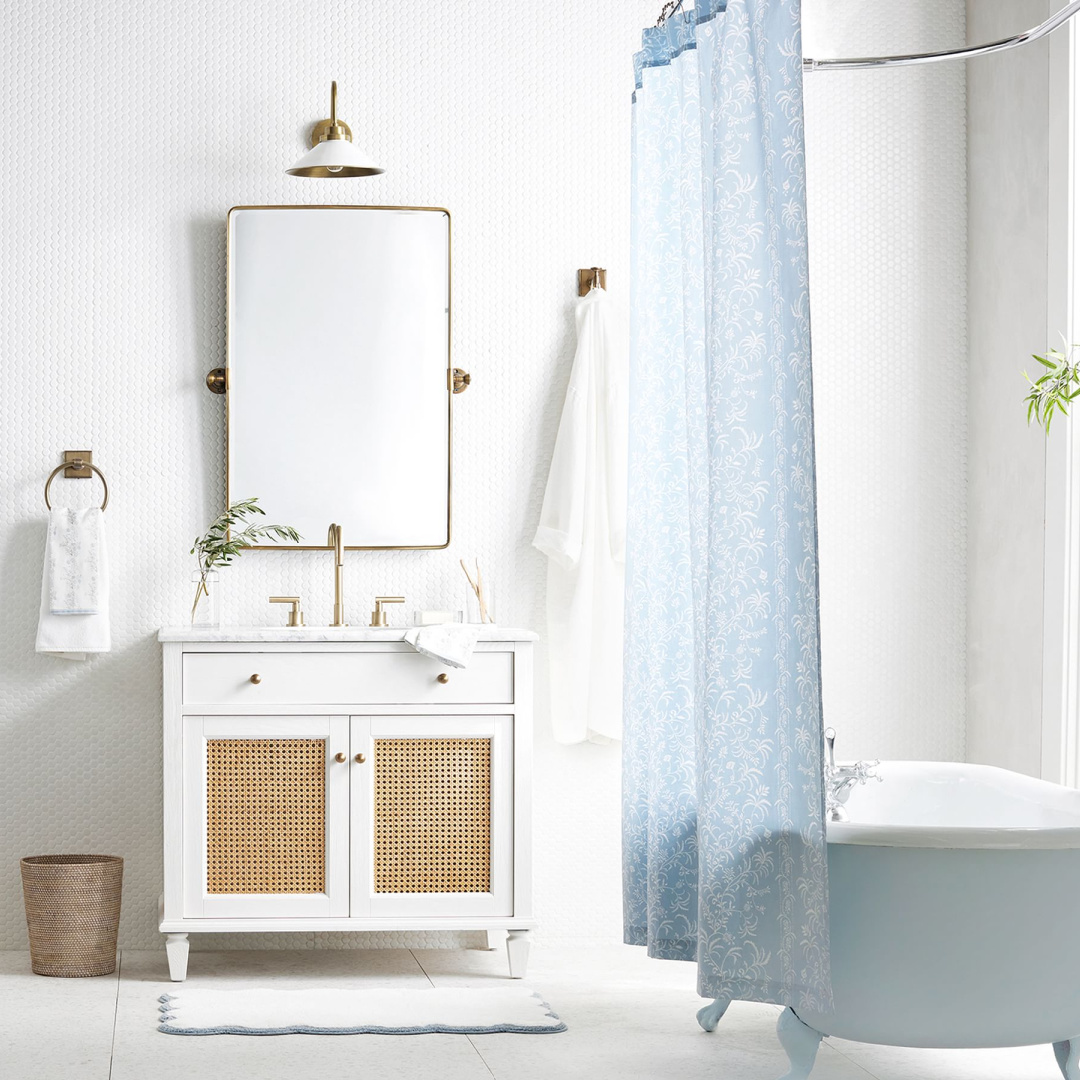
(225, 540)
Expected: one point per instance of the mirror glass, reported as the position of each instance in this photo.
(339, 397)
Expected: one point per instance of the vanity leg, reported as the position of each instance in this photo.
(801, 1043)
(493, 939)
(176, 948)
(517, 952)
(1067, 1053)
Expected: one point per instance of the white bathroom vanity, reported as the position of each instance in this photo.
(326, 779)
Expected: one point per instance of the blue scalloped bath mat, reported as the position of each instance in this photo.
(324, 1011)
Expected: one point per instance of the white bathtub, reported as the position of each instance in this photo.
(954, 914)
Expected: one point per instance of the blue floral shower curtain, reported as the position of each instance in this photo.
(723, 815)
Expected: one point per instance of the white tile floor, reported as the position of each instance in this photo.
(629, 1018)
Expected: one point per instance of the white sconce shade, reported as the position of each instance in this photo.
(332, 153)
(335, 157)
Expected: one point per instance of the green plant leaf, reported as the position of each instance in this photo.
(224, 541)
(1055, 388)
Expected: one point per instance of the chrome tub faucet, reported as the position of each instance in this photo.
(840, 779)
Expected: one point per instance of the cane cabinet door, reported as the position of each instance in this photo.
(266, 816)
(432, 816)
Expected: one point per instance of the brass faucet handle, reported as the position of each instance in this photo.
(378, 616)
(296, 616)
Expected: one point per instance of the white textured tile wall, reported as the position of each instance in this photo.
(155, 119)
(158, 117)
(888, 271)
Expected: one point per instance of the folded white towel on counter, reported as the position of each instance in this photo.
(450, 643)
(74, 581)
(74, 556)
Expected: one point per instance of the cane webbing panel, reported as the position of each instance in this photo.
(432, 815)
(266, 815)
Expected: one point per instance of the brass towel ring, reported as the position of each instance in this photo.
(77, 463)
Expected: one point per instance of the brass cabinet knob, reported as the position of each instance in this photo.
(442, 677)
(256, 679)
(340, 757)
(360, 759)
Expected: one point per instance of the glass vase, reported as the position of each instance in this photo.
(474, 612)
(206, 599)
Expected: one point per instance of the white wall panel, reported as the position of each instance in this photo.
(887, 220)
(1008, 193)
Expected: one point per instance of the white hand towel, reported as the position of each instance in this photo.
(450, 643)
(74, 559)
(72, 636)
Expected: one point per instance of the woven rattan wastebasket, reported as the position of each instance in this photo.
(72, 913)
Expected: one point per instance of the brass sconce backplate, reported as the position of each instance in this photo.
(322, 129)
(216, 380)
(462, 379)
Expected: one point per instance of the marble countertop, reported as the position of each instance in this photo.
(322, 633)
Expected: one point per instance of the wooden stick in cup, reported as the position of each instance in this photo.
(478, 590)
(484, 616)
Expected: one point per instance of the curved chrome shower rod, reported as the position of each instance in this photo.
(854, 63)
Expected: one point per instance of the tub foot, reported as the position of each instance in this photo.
(1068, 1058)
(709, 1017)
(801, 1043)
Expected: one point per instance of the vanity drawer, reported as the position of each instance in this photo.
(376, 678)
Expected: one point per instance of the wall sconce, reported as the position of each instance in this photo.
(332, 153)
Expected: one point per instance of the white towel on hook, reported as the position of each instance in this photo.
(70, 636)
(582, 531)
(449, 643)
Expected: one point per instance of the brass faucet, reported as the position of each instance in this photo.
(333, 540)
(378, 616)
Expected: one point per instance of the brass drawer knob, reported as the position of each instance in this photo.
(360, 759)
(340, 757)
(442, 677)
(256, 679)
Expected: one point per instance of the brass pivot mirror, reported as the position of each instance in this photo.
(345, 418)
